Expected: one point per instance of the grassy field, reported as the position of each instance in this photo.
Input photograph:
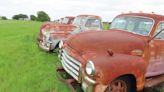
(24, 67)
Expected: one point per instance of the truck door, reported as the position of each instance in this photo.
(156, 63)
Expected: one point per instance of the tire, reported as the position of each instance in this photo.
(122, 84)
(51, 51)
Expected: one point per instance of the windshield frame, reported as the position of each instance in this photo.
(153, 22)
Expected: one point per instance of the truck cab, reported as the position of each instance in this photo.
(67, 20)
(126, 58)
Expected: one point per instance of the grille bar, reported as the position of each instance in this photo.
(70, 72)
(76, 62)
(70, 68)
(71, 65)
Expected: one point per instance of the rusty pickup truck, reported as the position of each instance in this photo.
(49, 27)
(127, 58)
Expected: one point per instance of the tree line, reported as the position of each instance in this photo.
(41, 16)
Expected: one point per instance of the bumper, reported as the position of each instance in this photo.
(89, 85)
(48, 46)
(42, 46)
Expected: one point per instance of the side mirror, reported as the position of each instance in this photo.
(156, 35)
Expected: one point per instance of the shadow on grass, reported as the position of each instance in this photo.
(158, 88)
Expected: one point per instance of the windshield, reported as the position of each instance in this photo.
(65, 21)
(79, 21)
(93, 23)
(133, 24)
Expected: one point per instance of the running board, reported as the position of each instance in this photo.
(150, 82)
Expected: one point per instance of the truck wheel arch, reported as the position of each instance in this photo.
(130, 77)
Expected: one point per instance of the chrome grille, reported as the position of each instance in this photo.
(72, 66)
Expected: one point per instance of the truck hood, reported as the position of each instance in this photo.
(116, 41)
(58, 27)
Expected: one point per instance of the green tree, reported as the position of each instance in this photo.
(33, 17)
(42, 16)
(20, 16)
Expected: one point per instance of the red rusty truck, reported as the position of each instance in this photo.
(127, 58)
(46, 29)
(51, 35)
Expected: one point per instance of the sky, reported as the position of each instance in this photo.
(56, 9)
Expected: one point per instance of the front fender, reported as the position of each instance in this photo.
(108, 68)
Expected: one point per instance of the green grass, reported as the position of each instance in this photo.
(24, 67)
(106, 26)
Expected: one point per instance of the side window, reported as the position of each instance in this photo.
(159, 28)
(82, 21)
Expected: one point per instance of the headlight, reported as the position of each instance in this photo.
(60, 44)
(47, 36)
(44, 32)
(90, 69)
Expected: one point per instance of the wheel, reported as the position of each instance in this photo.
(51, 51)
(123, 84)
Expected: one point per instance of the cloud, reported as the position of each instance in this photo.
(107, 9)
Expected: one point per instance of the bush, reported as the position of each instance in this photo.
(42, 16)
(33, 17)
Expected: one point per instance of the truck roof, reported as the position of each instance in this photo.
(85, 15)
(150, 15)
(71, 17)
